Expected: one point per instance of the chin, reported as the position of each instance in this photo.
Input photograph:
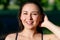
(30, 27)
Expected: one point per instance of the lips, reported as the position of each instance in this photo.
(29, 22)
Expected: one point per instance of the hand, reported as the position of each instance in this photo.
(45, 22)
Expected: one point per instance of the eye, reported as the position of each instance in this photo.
(35, 13)
(25, 13)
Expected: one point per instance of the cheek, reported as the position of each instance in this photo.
(36, 19)
(22, 18)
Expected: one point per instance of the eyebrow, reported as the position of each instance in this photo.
(36, 11)
(24, 11)
(32, 11)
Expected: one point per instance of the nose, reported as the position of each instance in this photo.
(30, 17)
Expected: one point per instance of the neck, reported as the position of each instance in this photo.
(29, 33)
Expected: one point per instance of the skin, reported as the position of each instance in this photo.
(30, 16)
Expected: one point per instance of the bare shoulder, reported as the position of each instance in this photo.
(11, 36)
(49, 37)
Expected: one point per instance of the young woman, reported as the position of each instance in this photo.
(31, 18)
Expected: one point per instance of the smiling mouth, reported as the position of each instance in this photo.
(29, 22)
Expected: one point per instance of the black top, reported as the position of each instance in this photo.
(16, 36)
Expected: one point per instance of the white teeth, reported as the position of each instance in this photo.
(29, 23)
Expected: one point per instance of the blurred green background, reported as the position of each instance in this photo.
(9, 10)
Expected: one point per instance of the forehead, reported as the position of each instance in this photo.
(30, 6)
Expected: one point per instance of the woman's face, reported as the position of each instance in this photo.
(30, 16)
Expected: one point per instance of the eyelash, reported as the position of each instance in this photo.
(32, 13)
(35, 14)
(25, 13)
